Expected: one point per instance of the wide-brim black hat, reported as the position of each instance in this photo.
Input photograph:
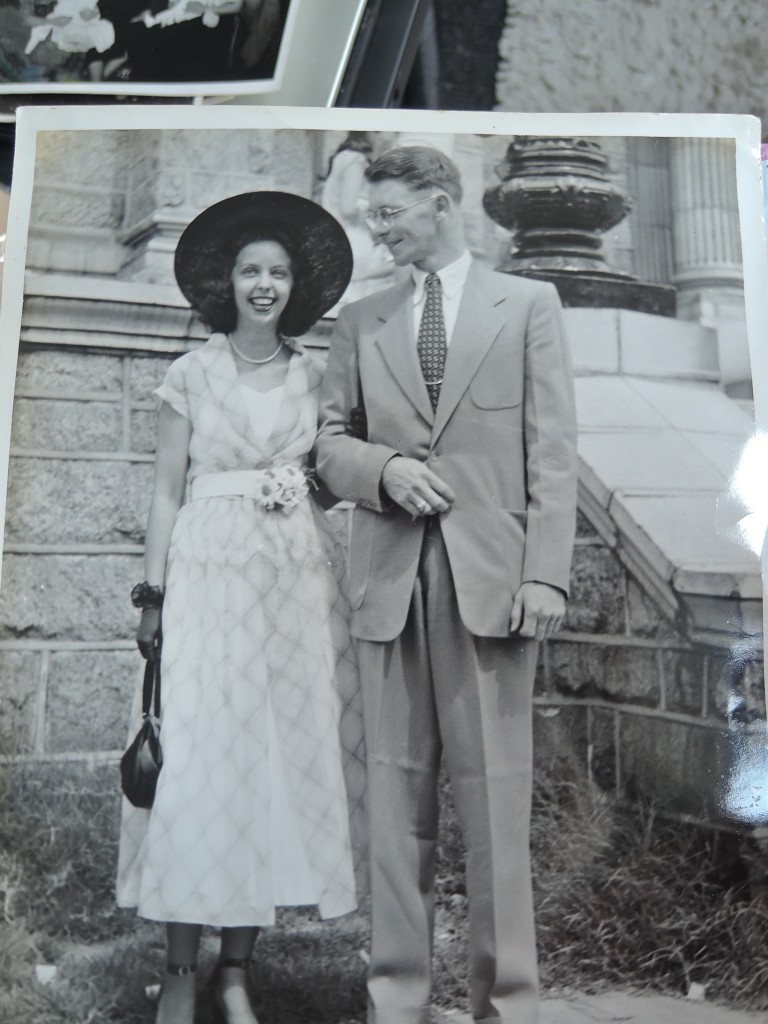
(313, 238)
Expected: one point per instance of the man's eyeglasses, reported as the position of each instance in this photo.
(385, 215)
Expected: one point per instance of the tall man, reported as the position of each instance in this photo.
(460, 550)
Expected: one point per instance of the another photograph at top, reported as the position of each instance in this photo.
(128, 46)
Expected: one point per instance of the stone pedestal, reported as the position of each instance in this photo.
(558, 198)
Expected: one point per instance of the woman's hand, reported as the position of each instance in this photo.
(148, 634)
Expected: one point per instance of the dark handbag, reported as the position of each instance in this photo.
(141, 763)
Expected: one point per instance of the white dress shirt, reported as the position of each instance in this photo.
(452, 281)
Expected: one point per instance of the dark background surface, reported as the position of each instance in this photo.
(424, 54)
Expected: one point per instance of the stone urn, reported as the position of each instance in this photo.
(557, 196)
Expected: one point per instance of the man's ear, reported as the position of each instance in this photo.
(442, 204)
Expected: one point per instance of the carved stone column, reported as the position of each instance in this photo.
(707, 267)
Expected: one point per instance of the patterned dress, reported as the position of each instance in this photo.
(261, 719)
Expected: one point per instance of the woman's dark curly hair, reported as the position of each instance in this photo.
(316, 244)
(214, 300)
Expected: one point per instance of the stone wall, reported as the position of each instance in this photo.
(651, 714)
(646, 710)
(78, 496)
(691, 56)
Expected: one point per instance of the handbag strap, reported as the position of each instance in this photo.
(151, 682)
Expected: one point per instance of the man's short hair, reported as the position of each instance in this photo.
(420, 167)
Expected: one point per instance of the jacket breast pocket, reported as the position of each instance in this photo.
(498, 383)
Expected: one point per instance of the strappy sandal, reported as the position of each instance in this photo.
(176, 971)
(220, 1015)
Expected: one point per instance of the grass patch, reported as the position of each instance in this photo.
(623, 900)
(58, 851)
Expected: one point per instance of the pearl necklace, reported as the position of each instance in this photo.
(250, 359)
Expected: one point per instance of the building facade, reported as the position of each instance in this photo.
(657, 679)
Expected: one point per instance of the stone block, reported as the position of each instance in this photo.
(577, 669)
(90, 160)
(597, 601)
(594, 339)
(662, 345)
(147, 374)
(76, 208)
(73, 501)
(626, 674)
(681, 768)
(74, 250)
(89, 699)
(602, 748)
(77, 372)
(687, 405)
(584, 527)
(68, 597)
(660, 460)
(66, 426)
(19, 681)
(645, 618)
(685, 681)
(292, 162)
(607, 402)
(632, 675)
(143, 432)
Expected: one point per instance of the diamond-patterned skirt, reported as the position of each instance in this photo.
(259, 678)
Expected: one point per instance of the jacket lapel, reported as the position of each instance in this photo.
(397, 345)
(479, 321)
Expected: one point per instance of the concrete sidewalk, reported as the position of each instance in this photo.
(613, 1008)
(621, 1008)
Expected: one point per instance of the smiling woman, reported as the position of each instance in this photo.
(262, 282)
(251, 810)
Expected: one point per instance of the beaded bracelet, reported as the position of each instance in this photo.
(144, 595)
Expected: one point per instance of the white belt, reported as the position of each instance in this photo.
(244, 483)
(281, 486)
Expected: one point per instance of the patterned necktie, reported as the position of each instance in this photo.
(432, 344)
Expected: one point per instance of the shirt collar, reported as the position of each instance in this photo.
(452, 278)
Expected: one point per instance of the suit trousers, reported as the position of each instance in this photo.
(438, 690)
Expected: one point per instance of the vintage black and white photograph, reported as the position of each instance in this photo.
(381, 613)
(119, 46)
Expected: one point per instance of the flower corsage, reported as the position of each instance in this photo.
(283, 488)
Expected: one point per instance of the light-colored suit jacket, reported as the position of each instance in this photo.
(503, 437)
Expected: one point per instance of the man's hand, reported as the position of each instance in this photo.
(415, 488)
(538, 610)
